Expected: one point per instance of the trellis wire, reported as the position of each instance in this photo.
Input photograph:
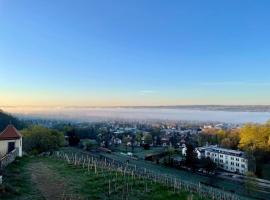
(100, 163)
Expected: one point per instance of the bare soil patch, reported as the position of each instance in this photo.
(47, 181)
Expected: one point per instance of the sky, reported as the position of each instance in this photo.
(134, 52)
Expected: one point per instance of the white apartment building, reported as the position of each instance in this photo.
(227, 159)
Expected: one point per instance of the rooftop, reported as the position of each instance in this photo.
(10, 133)
(216, 149)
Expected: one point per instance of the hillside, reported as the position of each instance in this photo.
(6, 119)
(49, 178)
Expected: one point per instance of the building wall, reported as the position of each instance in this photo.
(229, 162)
(226, 162)
(4, 146)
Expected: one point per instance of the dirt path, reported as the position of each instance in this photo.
(47, 181)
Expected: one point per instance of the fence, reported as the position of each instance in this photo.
(101, 163)
(8, 158)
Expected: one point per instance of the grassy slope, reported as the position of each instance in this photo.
(80, 183)
(184, 175)
(17, 182)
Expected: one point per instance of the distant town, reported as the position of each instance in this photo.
(204, 148)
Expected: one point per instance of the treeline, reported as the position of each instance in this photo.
(226, 138)
(254, 139)
(87, 131)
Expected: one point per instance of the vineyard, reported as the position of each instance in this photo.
(122, 181)
(72, 176)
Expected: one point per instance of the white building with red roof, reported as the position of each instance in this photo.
(10, 139)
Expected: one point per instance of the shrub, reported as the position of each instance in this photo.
(38, 139)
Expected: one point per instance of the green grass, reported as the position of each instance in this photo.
(82, 183)
(17, 182)
(179, 174)
(96, 186)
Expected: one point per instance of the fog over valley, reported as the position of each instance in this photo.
(142, 113)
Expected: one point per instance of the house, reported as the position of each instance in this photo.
(165, 141)
(10, 139)
(117, 141)
(199, 151)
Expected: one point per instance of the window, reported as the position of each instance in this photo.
(11, 146)
(232, 163)
(237, 164)
(237, 159)
(221, 161)
(243, 166)
(221, 156)
(232, 158)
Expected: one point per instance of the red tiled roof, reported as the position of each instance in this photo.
(10, 133)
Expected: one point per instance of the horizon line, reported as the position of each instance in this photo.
(122, 106)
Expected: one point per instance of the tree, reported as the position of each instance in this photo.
(147, 138)
(220, 135)
(103, 136)
(209, 165)
(211, 136)
(191, 156)
(255, 137)
(155, 132)
(138, 138)
(88, 144)
(73, 139)
(38, 139)
(170, 152)
(231, 139)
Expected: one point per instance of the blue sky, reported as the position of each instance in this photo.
(134, 52)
